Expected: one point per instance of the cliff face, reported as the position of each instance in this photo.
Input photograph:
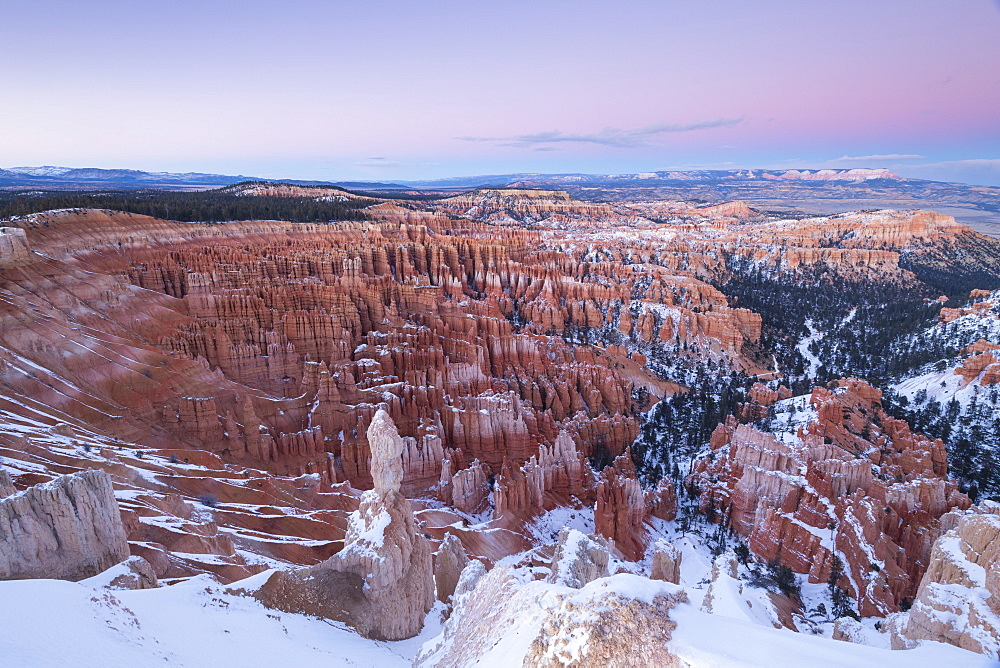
(67, 529)
(6, 485)
(959, 597)
(840, 480)
(550, 208)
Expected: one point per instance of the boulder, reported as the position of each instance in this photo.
(133, 573)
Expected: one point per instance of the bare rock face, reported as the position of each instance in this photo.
(387, 451)
(382, 582)
(621, 632)
(449, 562)
(67, 529)
(6, 484)
(666, 563)
(579, 559)
(959, 597)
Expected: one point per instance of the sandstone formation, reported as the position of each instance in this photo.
(225, 375)
(621, 509)
(265, 342)
(66, 529)
(983, 368)
(555, 476)
(551, 208)
(579, 559)
(958, 601)
(382, 582)
(850, 482)
(449, 562)
(620, 631)
(983, 309)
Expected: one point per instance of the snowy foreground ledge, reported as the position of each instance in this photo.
(197, 623)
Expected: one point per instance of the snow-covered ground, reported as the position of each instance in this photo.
(815, 335)
(195, 623)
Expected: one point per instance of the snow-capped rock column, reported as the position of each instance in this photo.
(382, 582)
(666, 562)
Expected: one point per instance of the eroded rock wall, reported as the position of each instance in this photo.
(67, 529)
(851, 484)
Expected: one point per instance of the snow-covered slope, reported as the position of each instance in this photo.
(197, 623)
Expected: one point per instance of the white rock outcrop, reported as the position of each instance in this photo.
(133, 573)
(666, 562)
(68, 529)
(14, 247)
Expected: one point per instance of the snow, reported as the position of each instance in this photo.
(815, 334)
(45, 170)
(704, 639)
(790, 415)
(374, 531)
(195, 623)
(198, 622)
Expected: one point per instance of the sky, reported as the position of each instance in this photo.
(384, 90)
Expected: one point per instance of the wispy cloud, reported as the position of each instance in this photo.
(885, 157)
(377, 162)
(612, 137)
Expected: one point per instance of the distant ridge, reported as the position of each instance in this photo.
(50, 177)
(70, 178)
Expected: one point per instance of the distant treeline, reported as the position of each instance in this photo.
(208, 206)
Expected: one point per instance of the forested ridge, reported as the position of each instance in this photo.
(225, 204)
